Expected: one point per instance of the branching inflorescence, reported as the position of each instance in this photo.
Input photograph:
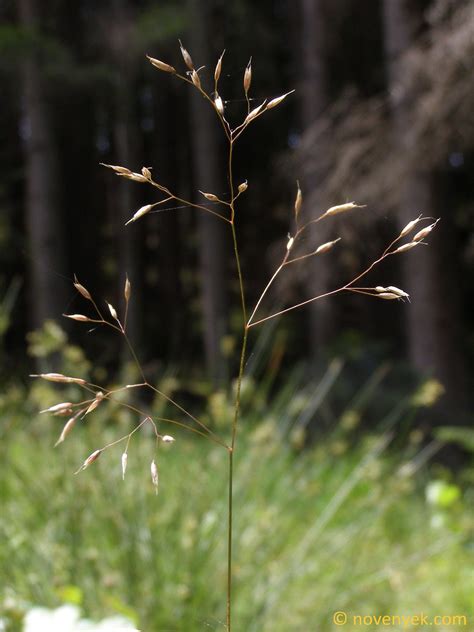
(96, 395)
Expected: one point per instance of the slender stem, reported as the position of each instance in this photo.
(229, 542)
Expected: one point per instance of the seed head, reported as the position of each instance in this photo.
(327, 246)
(141, 211)
(161, 65)
(342, 208)
(186, 56)
(218, 69)
(248, 76)
(219, 105)
(243, 186)
(154, 475)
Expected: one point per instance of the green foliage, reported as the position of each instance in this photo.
(319, 532)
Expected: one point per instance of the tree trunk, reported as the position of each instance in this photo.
(43, 223)
(433, 321)
(126, 133)
(314, 99)
(205, 160)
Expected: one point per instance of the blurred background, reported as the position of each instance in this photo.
(349, 399)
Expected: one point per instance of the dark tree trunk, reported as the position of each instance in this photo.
(314, 99)
(433, 319)
(48, 291)
(126, 140)
(205, 160)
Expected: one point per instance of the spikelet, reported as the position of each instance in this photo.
(79, 317)
(290, 243)
(342, 208)
(90, 459)
(298, 200)
(195, 79)
(68, 426)
(248, 76)
(81, 289)
(218, 68)
(277, 100)
(186, 56)
(112, 310)
(57, 408)
(407, 246)
(210, 196)
(255, 112)
(146, 173)
(161, 65)
(58, 377)
(140, 213)
(219, 105)
(118, 170)
(167, 439)
(124, 464)
(127, 290)
(327, 246)
(410, 226)
(154, 475)
(243, 186)
(424, 232)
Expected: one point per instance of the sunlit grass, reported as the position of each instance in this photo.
(334, 528)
